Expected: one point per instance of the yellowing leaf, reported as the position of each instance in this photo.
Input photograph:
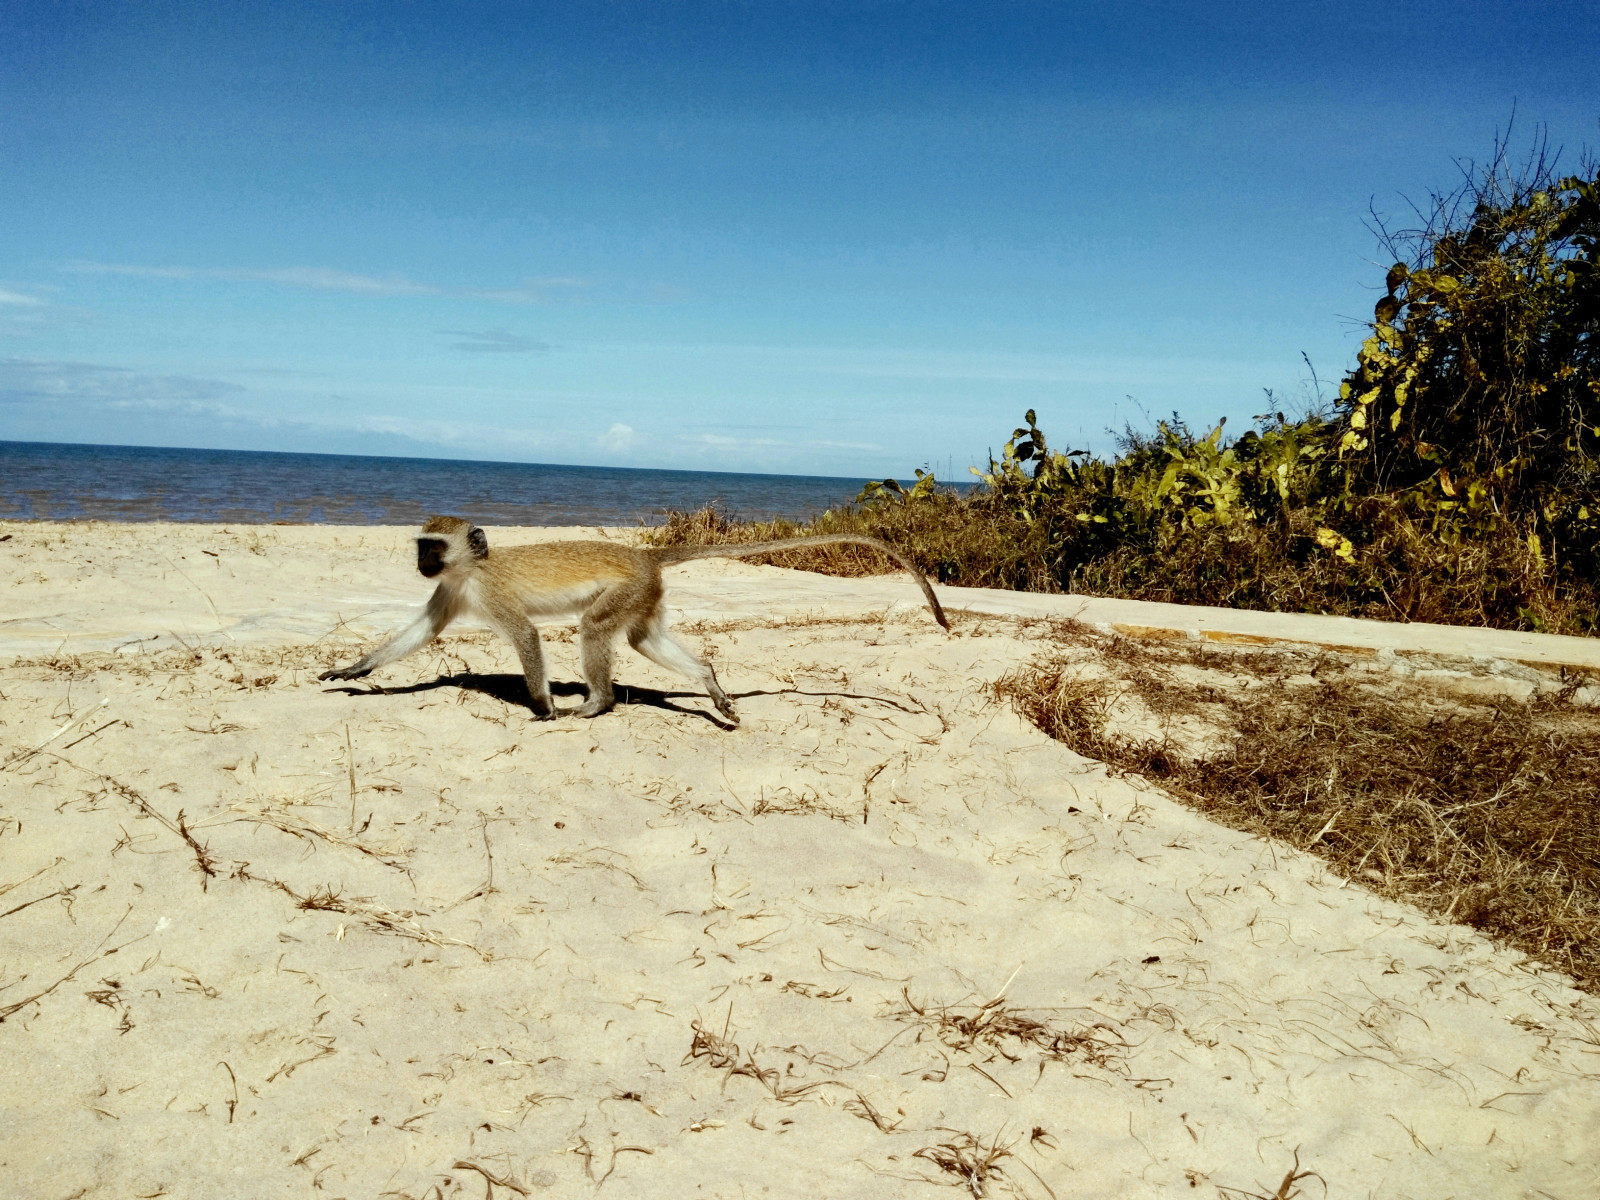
(1330, 539)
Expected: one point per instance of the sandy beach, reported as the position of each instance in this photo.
(261, 935)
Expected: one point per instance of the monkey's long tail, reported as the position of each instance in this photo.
(667, 555)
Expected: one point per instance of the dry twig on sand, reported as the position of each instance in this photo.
(308, 830)
(1288, 1189)
(16, 1006)
(400, 922)
(202, 855)
(493, 1179)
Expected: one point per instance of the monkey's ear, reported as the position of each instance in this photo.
(478, 542)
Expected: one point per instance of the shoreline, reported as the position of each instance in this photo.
(137, 484)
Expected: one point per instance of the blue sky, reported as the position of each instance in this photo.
(843, 239)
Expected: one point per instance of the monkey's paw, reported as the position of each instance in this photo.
(344, 673)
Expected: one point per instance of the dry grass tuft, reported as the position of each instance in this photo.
(721, 1053)
(1483, 814)
(971, 1160)
(1005, 1030)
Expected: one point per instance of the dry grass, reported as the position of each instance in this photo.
(971, 1160)
(720, 1052)
(1487, 814)
(997, 1027)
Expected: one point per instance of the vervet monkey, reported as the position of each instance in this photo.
(612, 589)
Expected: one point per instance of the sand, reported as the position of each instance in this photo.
(261, 935)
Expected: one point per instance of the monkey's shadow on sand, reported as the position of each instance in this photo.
(512, 690)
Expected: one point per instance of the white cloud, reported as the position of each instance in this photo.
(319, 278)
(9, 297)
(26, 379)
(722, 441)
(329, 279)
(865, 447)
(529, 291)
(494, 341)
(618, 439)
(77, 394)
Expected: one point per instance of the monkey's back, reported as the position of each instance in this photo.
(553, 578)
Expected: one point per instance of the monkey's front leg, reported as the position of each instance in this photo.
(413, 637)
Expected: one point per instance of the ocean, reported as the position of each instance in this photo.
(50, 481)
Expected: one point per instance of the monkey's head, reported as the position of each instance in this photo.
(449, 542)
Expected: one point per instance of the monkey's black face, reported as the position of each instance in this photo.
(430, 556)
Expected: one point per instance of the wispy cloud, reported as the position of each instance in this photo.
(865, 447)
(494, 341)
(61, 400)
(532, 290)
(26, 379)
(7, 296)
(324, 279)
(723, 441)
(80, 392)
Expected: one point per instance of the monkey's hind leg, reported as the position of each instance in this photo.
(521, 634)
(597, 632)
(652, 640)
